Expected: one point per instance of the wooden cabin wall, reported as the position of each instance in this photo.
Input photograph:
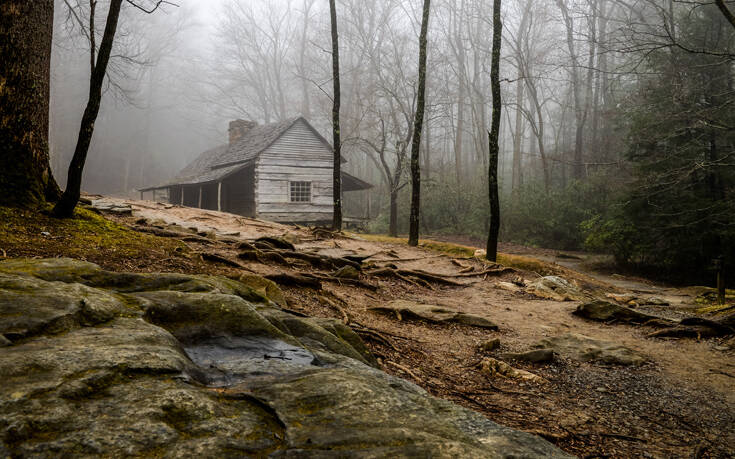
(239, 189)
(299, 155)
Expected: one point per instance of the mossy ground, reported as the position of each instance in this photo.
(88, 236)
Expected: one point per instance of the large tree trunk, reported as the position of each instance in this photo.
(413, 230)
(67, 203)
(26, 29)
(494, 148)
(336, 173)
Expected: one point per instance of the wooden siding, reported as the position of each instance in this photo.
(299, 155)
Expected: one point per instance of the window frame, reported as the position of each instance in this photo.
(301, 194)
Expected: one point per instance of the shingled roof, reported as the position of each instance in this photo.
(219, 162)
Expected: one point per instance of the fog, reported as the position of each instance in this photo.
(583, 82)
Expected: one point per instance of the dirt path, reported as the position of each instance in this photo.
(680, 404)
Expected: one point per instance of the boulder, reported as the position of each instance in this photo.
(96, 363)
(556, 288)
(433, 313)
(585, 349)
(604, 311)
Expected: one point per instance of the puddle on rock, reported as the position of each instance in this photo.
(229, 360)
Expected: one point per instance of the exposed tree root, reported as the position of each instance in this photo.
(341, 280)
(324, 300)
(423, 275)
(215, 258)
(404, 369)
(295, 280)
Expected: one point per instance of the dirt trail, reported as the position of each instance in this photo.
(681, 403)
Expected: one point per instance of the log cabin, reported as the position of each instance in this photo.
(279, 172)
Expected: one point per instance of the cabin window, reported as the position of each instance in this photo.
(300, 191)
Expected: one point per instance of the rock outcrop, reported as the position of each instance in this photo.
(96, 363)
(585, 349)
(433, 313)
(556, 288)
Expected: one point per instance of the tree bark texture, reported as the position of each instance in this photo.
(336, 173)
(494, 147)
(26, 28)
(413, 230)
(67, 203)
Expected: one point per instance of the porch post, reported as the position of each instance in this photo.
(219, 196)
(200, 196)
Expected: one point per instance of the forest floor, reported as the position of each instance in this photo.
(681, 403)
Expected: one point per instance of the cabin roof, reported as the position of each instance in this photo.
(217, 163)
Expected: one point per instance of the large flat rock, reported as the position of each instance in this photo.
(96, 363)
(433, 313)
(586, 349)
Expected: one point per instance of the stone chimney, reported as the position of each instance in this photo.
(239, 128)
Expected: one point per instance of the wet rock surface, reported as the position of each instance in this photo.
(117, 364)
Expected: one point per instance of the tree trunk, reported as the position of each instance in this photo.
(26, 28)
(336, 172)
(494, 148)
(518, 138)
(393, 225)
(67, 203)
(413, 231)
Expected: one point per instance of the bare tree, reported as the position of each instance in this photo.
(70, 197)
(336, 170)
(493, 137)
(413, 232)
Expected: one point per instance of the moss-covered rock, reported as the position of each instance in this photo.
(96, 363)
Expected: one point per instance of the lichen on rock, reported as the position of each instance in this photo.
(97, 363)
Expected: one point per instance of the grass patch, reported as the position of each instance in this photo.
(86, 236)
